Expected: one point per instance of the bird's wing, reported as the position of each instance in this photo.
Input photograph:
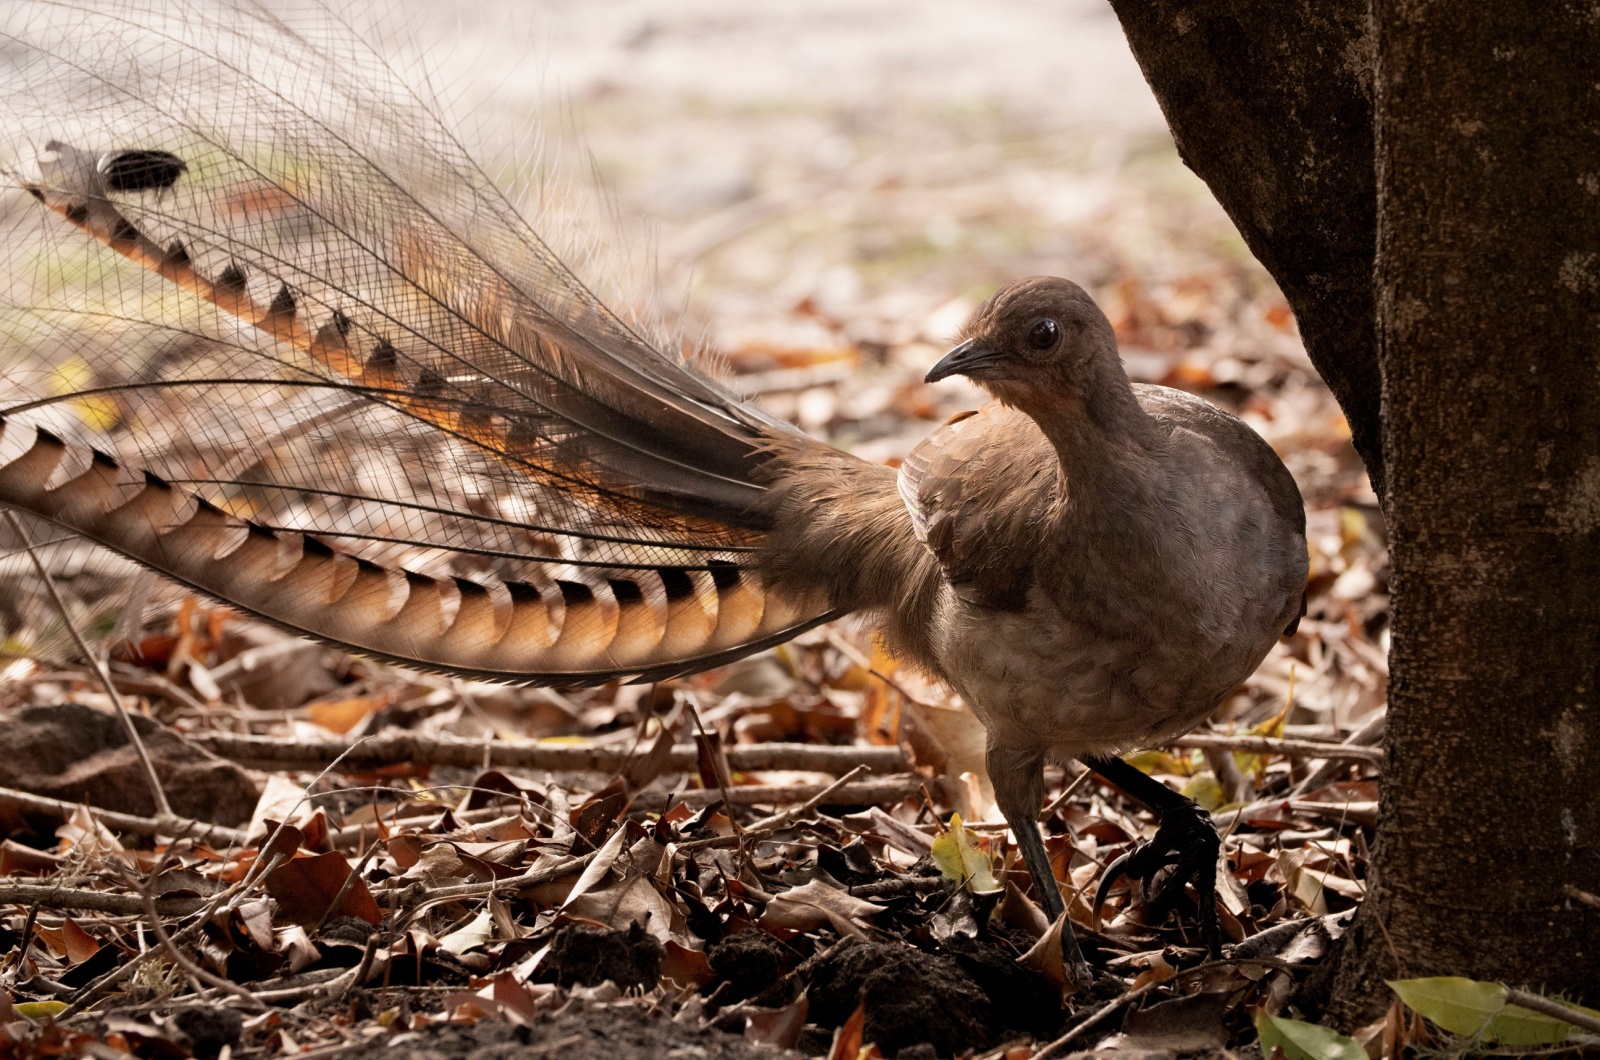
(978, 491)
(274, 333)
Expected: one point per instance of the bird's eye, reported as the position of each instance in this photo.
(1044, 334)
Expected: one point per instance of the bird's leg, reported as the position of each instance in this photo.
(1184, 839)
(1018, 779)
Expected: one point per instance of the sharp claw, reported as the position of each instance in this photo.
(1174, 844)
(1114, 872)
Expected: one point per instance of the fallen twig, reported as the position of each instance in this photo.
(1364, 811)
(1547, 1007)
(1272, 745)
(398, 746)
(1370, 734)
(898, 888)
(27, 802)
(94, 901)
(134, 683)
(860, 793)
(423, 895)
(230, 896)
(768, 825)
(163, 808)
(1054, 1048)
(193, 970)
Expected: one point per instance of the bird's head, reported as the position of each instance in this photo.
(1039, 340)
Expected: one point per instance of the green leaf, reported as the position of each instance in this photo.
(38, 1010)
(1304, 1041)
(961, 859)
(1476, 1009)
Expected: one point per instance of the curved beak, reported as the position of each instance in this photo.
(965, 359)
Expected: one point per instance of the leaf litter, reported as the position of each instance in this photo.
(691, 879)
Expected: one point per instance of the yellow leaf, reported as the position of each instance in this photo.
(1256, 765)
(1204, 789)
(38, 1010)
(342, 715)
(1160, 762)
(961, 859)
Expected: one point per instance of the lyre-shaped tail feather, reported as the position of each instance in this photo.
(281, 339)
(647, 624)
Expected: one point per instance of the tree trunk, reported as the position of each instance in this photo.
(1486, 331)
(1488, 281)
(1270, 103)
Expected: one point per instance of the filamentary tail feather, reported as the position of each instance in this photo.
(275, 335)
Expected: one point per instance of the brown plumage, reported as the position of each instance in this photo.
(1107, 561)
(1092, 565)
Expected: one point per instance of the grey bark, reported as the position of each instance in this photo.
(1270, 103)
(1477, 203)
(1488, 298)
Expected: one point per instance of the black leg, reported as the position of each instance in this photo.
(1018, 779)
(1185, 839)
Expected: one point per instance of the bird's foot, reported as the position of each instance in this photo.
(1184, 850)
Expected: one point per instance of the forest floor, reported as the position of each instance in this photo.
(676, 869)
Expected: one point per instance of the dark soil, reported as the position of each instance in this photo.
(77, 753)
(581, 955)
(911, 998)
(1022, 999)
(579, 1032)
(209, 1028)
(750, 963)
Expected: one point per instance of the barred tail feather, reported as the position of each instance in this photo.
(649, 624)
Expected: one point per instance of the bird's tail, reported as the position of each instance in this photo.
(270, 332)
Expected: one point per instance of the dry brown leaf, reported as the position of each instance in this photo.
(1048, 958)
(79, 944)
(779, 1027)
(304, 887)
(342, 715)
(686, 966)
(847, 1039)
(814, 905)
(19, 860)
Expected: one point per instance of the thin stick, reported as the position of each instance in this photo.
(1053, 1048)
(107, 982)
(252, 875)
(713, 751)
(26, 941)
(363, 969)
(1547, 1007)
(37, 895)
(858, 793)
(533, 877)
(190, 968)
(397, 746)
(163, 808)
(1271, 745)
(345, 888)
(1369, 734)
(1066, 793)
(768, 825)
(60, 810)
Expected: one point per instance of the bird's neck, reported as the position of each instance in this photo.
(1101, 435)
